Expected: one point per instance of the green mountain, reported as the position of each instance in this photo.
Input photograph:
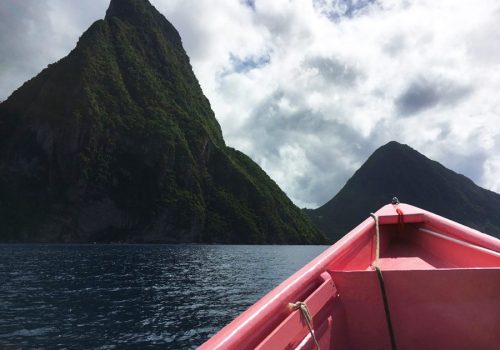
(117, 143)
(398, 170)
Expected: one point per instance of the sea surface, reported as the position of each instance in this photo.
(133, 296)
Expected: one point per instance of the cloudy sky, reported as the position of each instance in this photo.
(310, 88)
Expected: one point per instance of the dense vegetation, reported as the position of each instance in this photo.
(398, 170)
(117, 143)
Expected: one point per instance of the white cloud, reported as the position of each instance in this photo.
(309, 88)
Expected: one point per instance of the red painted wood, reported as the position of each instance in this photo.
(293, 329)
(455, 309)
(364, 315)
(388, 215)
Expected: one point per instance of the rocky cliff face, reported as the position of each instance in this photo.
(398, 170)
(116, 142)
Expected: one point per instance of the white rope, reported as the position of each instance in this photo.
(377, 249)
(299, 305)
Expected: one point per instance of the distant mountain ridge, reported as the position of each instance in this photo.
(117, 143)
(398, 170)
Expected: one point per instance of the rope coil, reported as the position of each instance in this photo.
(300, 305)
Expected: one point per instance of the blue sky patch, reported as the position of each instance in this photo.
(338, 9)
(246, 64)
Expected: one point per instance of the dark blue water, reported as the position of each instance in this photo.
(132, 296)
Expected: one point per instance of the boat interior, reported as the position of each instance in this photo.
(403, 279)
(429, 288)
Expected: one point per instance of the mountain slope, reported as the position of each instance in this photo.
(116, 142)
(398, 170)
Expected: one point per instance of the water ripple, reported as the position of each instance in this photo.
(132, 296)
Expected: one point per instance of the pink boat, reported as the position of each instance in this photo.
(403, 279)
